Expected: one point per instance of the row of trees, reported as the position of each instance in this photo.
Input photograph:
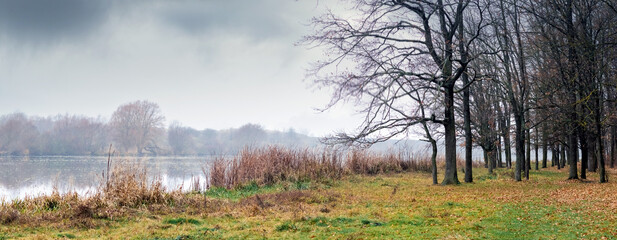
(134, 128)
(467, 69)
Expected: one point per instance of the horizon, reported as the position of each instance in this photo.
(167, 124)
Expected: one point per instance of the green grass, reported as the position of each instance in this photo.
(182, 221)
(253, 188)
(368, 207)
(65, 235)
(239, 192)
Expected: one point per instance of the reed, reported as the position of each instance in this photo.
(273, 164)
(127, 189)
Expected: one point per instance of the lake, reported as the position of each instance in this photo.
(34, 176)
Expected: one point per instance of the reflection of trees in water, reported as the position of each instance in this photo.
(19, 172)
(84, 172)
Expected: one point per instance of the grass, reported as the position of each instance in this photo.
(359, 207)
(181, 220)
(270, 165)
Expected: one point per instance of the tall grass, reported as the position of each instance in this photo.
(127, 187)
(365, 162)
(272, 164)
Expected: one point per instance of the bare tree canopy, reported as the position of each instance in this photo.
(137, 124)
(390, 57)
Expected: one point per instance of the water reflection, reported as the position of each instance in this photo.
(34, 176)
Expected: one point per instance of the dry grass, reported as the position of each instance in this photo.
(273, 164)
(129, 191)
(383, 206)
(364, 162)
(390, 206)
(129, 186)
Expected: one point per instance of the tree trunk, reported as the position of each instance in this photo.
(450, 138)
(563, 156)
(528, 154)
(584, 152)
(499, 154)
(505, 45)
(520, 106)
(500, 129)
(613, 145)
(466, 111)
(601, 166)
(506, 142)
(519, 144)
(555, 156)
(535, 144)
(487, 158)
(545, 148)
(572, 151)
(593, 158)
(434, 161)
(598, 122)
(493, 158)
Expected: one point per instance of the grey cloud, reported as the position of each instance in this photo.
(37, 21)
(256, 19)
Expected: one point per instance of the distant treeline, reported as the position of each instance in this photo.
(134, 129)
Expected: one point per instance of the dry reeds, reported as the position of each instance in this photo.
(8, 215)
(129, 186)
(273, 164)
(126, 187)
(364, 162)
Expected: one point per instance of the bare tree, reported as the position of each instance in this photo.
(395, 49)
(573, 32)
(75, 135)
(137, 125)
(180, 139)
(511, 77)
(17, 134)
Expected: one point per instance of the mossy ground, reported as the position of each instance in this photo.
(398, 206)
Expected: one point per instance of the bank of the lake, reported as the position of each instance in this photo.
(41, 175)
(383, 206)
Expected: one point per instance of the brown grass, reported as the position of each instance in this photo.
(364, 162)
(273, 164)
(129, 191)
(129, 186)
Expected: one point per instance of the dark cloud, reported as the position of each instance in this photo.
(256, 19)
(44, 21)
(27, 21)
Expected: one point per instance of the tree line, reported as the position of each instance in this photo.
(135, 128)
(536, 76)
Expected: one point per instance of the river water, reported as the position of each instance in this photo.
(34, 176)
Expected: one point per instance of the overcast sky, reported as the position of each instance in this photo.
(208, 64)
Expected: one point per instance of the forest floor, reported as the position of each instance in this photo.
(391, 206)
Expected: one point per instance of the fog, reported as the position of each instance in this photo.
(76, 135)
(208, 64)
